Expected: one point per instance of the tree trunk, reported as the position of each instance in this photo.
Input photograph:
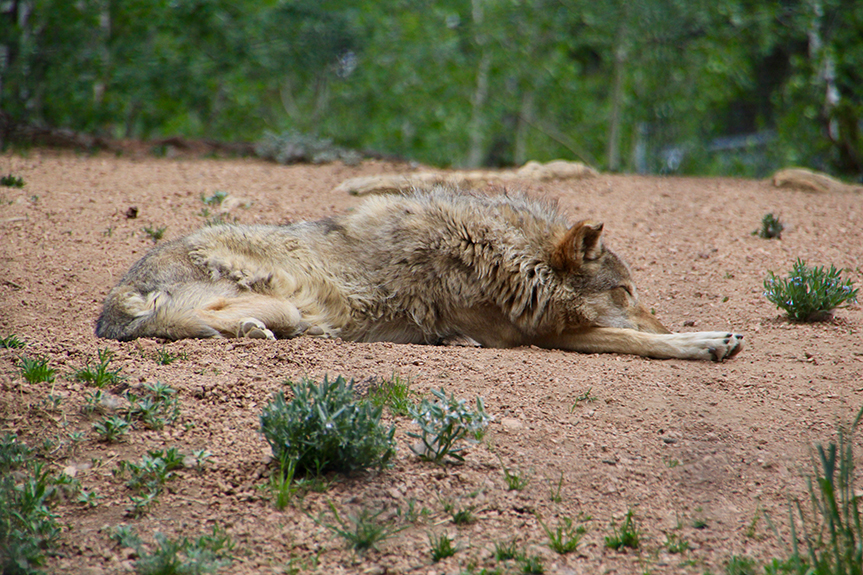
(476, 129)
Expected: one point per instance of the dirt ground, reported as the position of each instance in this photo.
(699, 451)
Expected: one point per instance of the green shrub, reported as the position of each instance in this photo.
(361, 531)
(325, 428)
(809, 294)
(207, 554)
(443, 424)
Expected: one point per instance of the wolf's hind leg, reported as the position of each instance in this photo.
(252, 315)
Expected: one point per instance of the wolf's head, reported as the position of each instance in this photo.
(598, 290)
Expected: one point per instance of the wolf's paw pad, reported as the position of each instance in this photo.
(253, 328)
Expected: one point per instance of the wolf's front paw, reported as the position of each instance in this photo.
(731, 344)
(254, 328)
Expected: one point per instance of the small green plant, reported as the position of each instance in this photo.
(362, 531)
(675, 543)
(216, 199)
(98, 374)
(28, 526)
(462, 516)
(36, 370)
(324, 428)
(11, 342)
(441, 547)
(111, 429)
(809, 294)
(583, 398)
(158, 407)
(12, 181)
(395, 394)
(565, 537)
(155, 234)
(207, 554)
(94, 401)
(514, 481)
(146, 479)
(89, 498)
(771, 228)
(627, 535)
(165, 357)
(443, 424)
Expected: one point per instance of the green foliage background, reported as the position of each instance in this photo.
(649, 86)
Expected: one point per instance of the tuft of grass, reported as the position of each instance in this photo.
(99, 375)
(565, 537)
(35, 370)
(441, 547)
(675, 543)
(584, 397)
(833, 536)
(514, 481)
(809, 294)
(11, 181)
(11, 342)
(443, 424)
(531, 565)
(394, 394)
(627, 535)
(28, 492)
(506, 551)
(463, 516)
(740, 565)
(770, 228)
(555, 491)
(324, 428)
(361, 531)
(155, 234)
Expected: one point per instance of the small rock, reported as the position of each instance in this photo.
(511, 423)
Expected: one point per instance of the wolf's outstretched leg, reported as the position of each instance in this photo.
(709, 345)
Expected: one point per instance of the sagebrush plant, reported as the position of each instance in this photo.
(362, 530)
(443, 424)
(98, 374)
(36, 370)
(627, 535)
(809, 294)
(28, 492)
(325, 428)
(833, 534)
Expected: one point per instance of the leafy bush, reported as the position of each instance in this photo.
(809, 294)
(443, 424)
(27, 492)
(324, 428)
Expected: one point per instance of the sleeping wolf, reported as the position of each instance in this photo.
(424, 267)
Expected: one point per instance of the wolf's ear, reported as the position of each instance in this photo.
(582, 242)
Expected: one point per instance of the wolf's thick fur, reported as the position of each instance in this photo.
(423, 267)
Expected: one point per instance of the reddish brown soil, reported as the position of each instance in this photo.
(681, 443)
